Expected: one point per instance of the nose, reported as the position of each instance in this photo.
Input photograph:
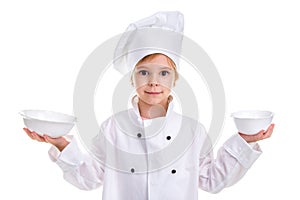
(153, 81)
(153, 84)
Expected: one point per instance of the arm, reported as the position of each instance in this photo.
(233, 160)
(78, 168)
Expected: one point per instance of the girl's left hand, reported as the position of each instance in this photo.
(258, 136)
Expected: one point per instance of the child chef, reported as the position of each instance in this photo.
(154, 174)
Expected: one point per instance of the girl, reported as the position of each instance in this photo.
(153, 177)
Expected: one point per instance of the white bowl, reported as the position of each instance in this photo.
(50, 123)
(252, 121)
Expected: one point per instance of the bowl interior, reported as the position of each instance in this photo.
(252, 114)
(49, 116)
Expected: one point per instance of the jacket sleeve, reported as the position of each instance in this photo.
(79, 168)
(233, 160)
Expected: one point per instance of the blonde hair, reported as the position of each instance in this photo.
(151, 57)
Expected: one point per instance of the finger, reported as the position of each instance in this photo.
(51, 140)
(38, 137)
(259, 135)
(269, 131)
(253, 138)
(271, 127)
(48, 139)
(27, 130)
(35, 136)
(29, 133)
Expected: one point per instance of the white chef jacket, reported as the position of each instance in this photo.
(195, 167)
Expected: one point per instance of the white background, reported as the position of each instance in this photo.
(255, 46)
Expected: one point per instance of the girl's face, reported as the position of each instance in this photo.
(153, 80)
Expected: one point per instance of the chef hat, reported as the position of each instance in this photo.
(159, 33)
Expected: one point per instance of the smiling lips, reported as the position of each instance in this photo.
(153, 93)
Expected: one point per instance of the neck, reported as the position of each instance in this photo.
(150, 111)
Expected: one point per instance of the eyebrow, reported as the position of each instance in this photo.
(147, 67)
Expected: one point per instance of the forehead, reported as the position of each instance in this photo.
(158, 59)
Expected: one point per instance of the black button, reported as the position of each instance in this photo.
(139, 135)
(173, 171)
(168, 137)
(132, 170)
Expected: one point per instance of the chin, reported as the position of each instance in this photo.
(152, 101)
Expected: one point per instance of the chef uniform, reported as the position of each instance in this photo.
(167, 157)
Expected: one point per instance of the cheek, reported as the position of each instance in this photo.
(139, 81)
(140, 91)
(167, 82)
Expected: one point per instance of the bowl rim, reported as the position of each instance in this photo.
(270, 114)
(25, 116)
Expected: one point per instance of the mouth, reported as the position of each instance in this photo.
(153, 93)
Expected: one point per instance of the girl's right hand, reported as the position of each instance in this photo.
(60, 143)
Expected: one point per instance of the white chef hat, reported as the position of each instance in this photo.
(159, 33)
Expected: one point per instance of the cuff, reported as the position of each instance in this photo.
(245, 153)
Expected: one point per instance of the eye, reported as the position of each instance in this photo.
(143, 72)
(164, 73)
